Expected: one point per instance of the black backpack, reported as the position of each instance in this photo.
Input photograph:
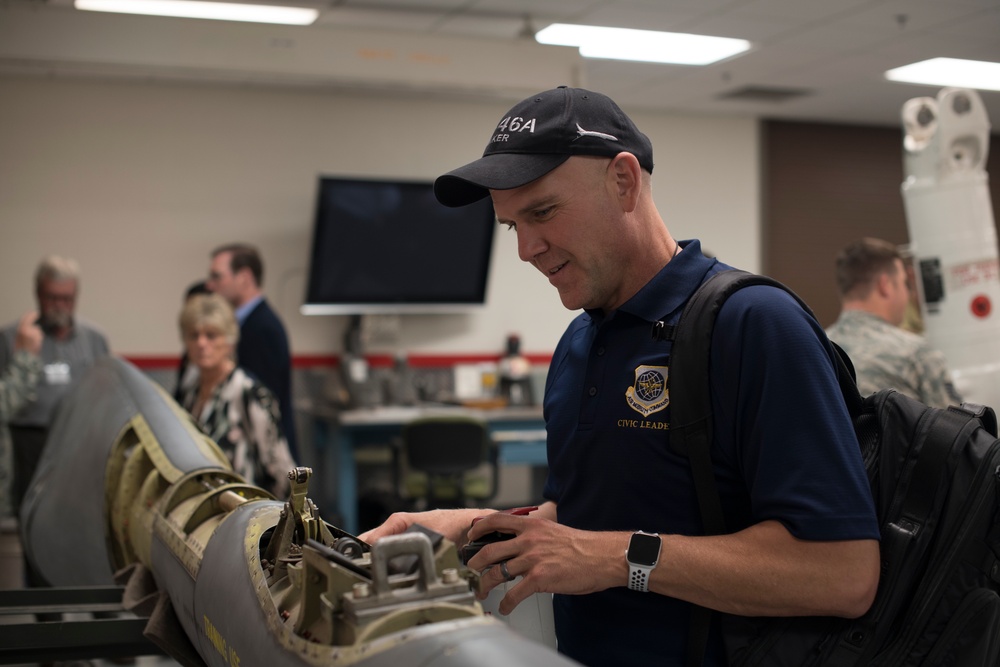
(934, 477)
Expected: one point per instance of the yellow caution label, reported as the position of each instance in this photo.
(219, 642)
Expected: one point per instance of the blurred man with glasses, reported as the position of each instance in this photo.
(69, 348)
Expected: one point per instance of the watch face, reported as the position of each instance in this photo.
(643, 549)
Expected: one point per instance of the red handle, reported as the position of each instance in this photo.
(515, 511)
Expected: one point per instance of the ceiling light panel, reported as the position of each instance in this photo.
(980, 74)
(642, 45)
(219, 11)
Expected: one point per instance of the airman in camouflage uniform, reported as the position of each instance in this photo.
(885, 355)
(872, 281)
(17, 389)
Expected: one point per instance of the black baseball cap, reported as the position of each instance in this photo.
(538, 135)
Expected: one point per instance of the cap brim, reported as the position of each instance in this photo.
(500, 171)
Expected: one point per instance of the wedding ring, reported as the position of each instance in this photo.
(507, 576)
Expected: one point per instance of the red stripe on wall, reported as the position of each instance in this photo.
(153, 363)
(375, 360)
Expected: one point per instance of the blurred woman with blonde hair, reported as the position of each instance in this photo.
(232, 407)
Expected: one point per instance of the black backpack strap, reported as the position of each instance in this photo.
(690, 433)
(691, 408)
(986, 416)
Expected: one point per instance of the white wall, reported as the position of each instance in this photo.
(138, 181)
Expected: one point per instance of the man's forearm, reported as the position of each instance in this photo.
(765, 571)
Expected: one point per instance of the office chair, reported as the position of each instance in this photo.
(446, 462)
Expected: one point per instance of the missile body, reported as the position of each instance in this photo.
(228, 574)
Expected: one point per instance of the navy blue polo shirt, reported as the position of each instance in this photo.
(784, 447)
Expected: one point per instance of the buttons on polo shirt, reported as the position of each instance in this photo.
(600, 351)
(592, 391)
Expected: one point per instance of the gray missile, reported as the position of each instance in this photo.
(227, 574)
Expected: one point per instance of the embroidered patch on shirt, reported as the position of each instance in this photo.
(649, 392)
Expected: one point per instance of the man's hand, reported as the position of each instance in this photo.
(453, 524)
(29, 334)
(549, 557)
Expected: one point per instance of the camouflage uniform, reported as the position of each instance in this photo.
(17, 388)
(888, 356)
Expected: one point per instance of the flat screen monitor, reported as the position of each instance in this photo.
(388, 246)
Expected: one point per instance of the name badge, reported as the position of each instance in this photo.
(57, 373)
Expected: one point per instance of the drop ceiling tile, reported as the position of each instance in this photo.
(380, 19)
(838, 37)
(483, 26)
(899, 16)
(798, 10)
(743, 27)
(563, 10)
(982, 28)
(919, 47)
(638, 16)
(420, 5)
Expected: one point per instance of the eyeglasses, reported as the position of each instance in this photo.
(57, 298)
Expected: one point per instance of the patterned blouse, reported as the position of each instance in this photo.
(242, 416)
(17, 389)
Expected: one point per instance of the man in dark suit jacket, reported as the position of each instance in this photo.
(237, 274)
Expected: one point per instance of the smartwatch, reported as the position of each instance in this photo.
(642, 555)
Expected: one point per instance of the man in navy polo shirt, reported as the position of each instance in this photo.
(619, 540)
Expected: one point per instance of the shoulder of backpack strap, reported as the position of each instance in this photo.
(985, 414)
(693, 335)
